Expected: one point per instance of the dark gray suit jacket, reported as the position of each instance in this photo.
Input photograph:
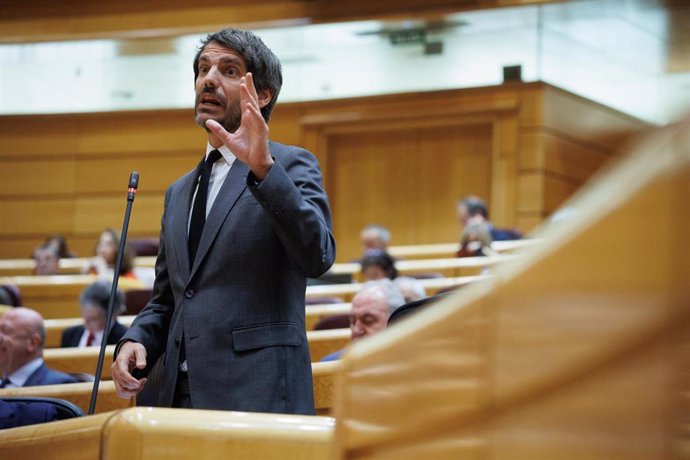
(240, 310)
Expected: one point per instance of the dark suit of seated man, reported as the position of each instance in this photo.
(14, 414)
(93, 302)
(22, 336)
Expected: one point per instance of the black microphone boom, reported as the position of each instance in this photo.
(131, 192)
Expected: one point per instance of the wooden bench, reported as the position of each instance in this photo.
(347, 291)
(446, 250)
(58, 296)
(76, 360)
(80, 393)
(77, 393)
(77, 265)
(55, 327)
(72, 266)
(455, 266)
(145, 433)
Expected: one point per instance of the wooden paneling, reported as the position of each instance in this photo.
(400, 160)
(563, 140)
(407, 180)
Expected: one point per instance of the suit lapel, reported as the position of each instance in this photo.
(180, 201)
(234, 185)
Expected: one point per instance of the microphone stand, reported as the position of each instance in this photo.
(132, 190)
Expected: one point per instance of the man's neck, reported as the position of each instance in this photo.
(14, 366)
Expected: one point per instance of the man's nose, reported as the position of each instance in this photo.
(211, 78)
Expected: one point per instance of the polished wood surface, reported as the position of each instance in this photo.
(314, 313)
(141, 433)
(80, 393)
(58, 296)
(347, 291)
(570, 352)
(77, 393)
(76, 360)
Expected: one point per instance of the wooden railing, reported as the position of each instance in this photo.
(80, 393)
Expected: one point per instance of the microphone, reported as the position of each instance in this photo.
(133, 184)
(131, 192)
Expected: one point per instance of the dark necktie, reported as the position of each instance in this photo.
(196, 225)
(89, 339)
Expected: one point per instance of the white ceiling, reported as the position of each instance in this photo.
(612, 51)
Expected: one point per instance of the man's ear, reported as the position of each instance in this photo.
(34, 342)
(265, 97)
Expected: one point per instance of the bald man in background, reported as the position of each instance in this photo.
(22, 336)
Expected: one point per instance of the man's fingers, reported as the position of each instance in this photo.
(217, 129)
(251, 89)
(140, 354)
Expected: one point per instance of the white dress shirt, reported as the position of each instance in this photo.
(218, 174)
(21, 375)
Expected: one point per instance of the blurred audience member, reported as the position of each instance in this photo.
(378, 265)
(47, 260)
(22, 336)
(93, 302)
(106, 255)
(59, 244)
(371, 307)
(374, 238)
(475, 241)
(472, 209)
(410, 288)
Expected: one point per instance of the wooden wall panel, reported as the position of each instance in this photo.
(564, 139)
(401, 160)
(451, 163)
(28, 177)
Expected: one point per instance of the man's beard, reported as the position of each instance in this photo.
(231, 122)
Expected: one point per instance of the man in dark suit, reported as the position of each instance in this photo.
(227, 308)
(22, 336)
(93, 303)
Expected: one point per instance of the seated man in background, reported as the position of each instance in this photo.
(374, 238)
(472, 209)
(22, 336)
(47, 261)
(371, 307)
(93, 303)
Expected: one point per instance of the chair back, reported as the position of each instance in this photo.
(63, 408)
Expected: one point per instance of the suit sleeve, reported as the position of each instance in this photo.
(292, 195)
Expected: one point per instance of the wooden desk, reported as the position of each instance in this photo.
(58, 296)
(347, 291)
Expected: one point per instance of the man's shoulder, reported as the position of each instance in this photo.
(46, 376)
(286, 151)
